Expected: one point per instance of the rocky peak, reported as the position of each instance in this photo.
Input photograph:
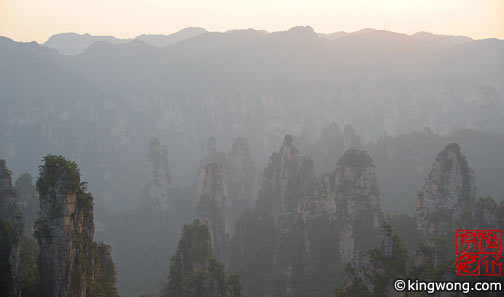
(300, 34)
(159, 174)
(373, 271)
(213, 156)
(449, 188)
(194, 271)
(350, 138)
(9, 210)
(333, 142)
(68, 266)
(239, 156)
(64, 230)
(357, 201)
(211, 145)
(288, 178)
(213, 207)
(11, 229)
(240, 178)
(350, 198)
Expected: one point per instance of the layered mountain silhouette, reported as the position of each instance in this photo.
(103, 104)
(74, 44)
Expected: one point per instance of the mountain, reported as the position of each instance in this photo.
(403, 163)
(164, 40)
(103, 106)
(443, 40)
(74, 44)
(334, 35)
(70, 262)
(447, 194)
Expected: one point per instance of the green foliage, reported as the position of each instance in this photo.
(194, 250)
(355, 158)
(41, 230)
(104, 284)
(4, 164)
(194, 271)
(255, 238)
(54, 169)
(386, 267)
(28, 269)
(84, 201)
(288, 256)
(405, 227)
(7, 239)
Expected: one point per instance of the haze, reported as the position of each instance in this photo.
(170, 152)
(27, 20)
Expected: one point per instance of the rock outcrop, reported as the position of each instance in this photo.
(333, 142)
(447, 193)
(214, 155)
(68, 258)
(240, 178)
(307, 227)
(194, 271)
(11, 229)
(372, 272)
(213, 207)
(287, 180)
(357, 199)
(350, 198)
(28, 201)
(159, 175)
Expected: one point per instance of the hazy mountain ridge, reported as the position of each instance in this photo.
(73, 44)
(103, 105)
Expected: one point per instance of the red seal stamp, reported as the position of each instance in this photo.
(478, 252)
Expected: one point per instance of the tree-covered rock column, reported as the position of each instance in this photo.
(195, 272)
(11, 228)
(70, 263)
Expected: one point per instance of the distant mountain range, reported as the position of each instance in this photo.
(74, 44)
(103, 106)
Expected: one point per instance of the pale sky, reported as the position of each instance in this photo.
(27, 20)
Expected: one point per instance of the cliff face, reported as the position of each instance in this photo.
(357, 202)
(65, 230)
(349, 198)
(11, 229)
(214, 155)
(288, 178)
(213, 207)
(240, 178)
(333, 142)
(448, 191)
(372, 272)
(239, 175)
(263, 238)
(342, 214)
(159, 175)
(317, 223)
(194, 271)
